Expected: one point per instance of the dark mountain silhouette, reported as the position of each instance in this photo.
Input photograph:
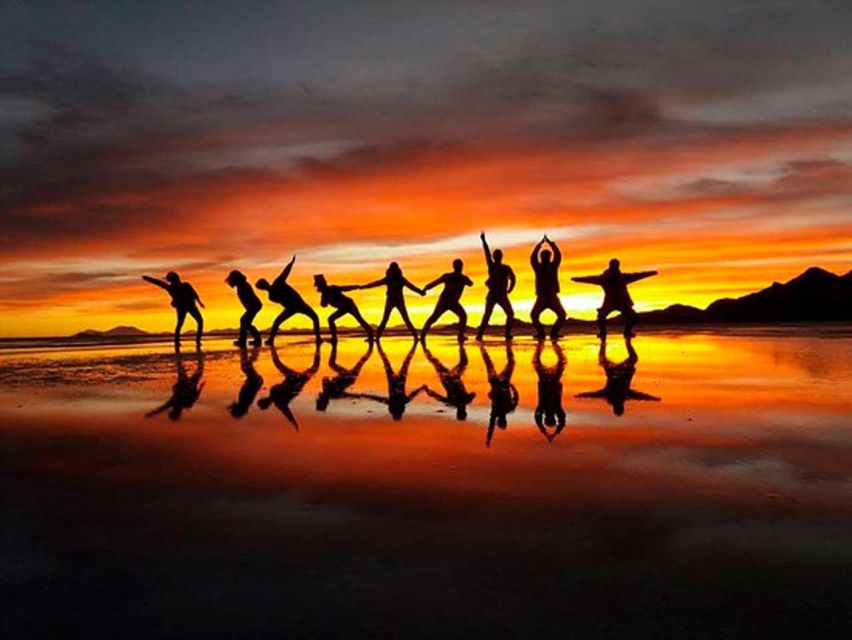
(115, 332)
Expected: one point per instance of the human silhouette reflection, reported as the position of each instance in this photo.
(502, 393)
(549, 414)
(397, 398)
(456, 394)
(251, 385)
(283, 393)
(619, 377)
(335, 387)
(186, 390)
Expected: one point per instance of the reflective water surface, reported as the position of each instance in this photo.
(694, 485)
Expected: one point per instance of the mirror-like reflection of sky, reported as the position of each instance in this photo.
(731, 444)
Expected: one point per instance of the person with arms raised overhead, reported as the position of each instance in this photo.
(501, 281)
(184, 299)
(545, 264)
(454, 283)
(616, 296)
(251, 303)
(333, 296)
(395, 283)
(285, 295)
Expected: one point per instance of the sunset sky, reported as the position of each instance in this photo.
(709, 140)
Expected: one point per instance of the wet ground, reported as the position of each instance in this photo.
(687, 485)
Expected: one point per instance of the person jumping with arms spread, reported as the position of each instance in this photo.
(395, 298)
(184, 298)
(333, 296)
(285, 295)
(454, 283)
(251, 303)
(616, 296)
(545, 264)
(501, 281)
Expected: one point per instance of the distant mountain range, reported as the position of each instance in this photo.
(813, 296)
(816, 295)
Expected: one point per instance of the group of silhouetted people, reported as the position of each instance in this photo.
(545, 260)
(549, 414)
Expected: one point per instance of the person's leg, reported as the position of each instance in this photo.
(561, 316)
(506, 305)
(286, 313)
(255, 334)
(385, 317)
(199, 321)
(364, 324)
(408, 323)
(603, 312)
(630, 318)
(535, 317)
(306, 310)
(486, 317)
(245, 321)
(181, 317)
(437, 313)
(462, 314)
(332, 323)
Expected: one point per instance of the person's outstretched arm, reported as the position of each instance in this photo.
(488, 259)
(285, 273)
(156, 281)
(373, 284)
(197, 298)
(588, 279)
(641, 275)
(406, 282)
(349, 287)
(433, 284)
(557, 253)
(534, 254)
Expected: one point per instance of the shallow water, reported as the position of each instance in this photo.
(698, 486)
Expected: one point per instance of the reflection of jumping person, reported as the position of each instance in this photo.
(395, 298)
(616, 296)
(289, 298)
(251, 303)
(503, 394)
(549, 412)
(454, 283)
(547, 286)
(333, 296)
(251, 385)
(397, 397)
(619, 377)
(283, 393)
(457, 395)
(501, 281)
(186, 389)
(183, 297)
(333, 388)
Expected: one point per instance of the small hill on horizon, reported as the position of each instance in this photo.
(122, 331)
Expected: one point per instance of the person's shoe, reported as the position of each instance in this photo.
(269, 342)
(256, 342)
(480, 337)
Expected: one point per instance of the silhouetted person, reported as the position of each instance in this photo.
(454, 283)
(251, 385)
(616, 296)
(251, 303)
(335, 387)
(185, 391)
(619, 377)
(283, 393)
(333, 296)
(397, 397)
(501, 281)
(545, 264)
(503, 394)
(395, 284)
(456, 394)
(184, 298)
(549, 414)
(289, 298)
